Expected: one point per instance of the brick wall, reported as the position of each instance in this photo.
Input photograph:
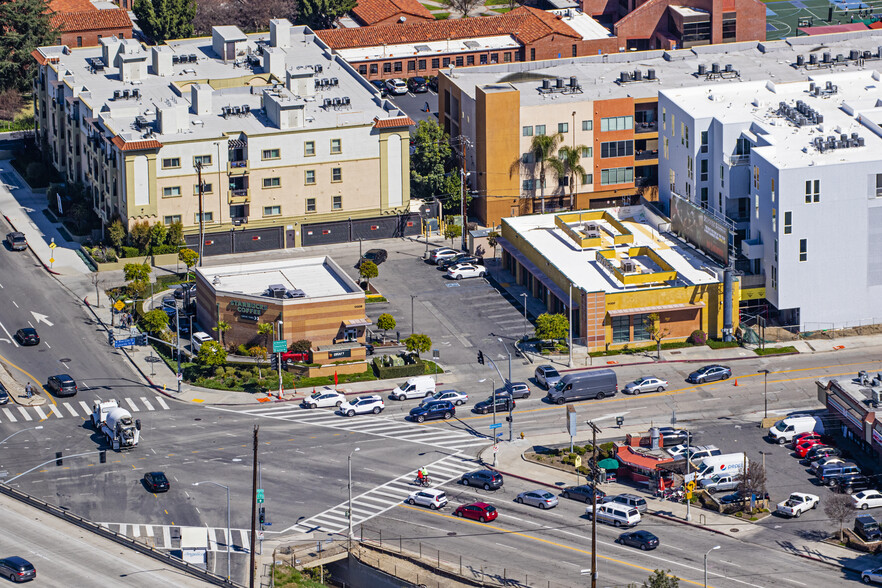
(90, 38)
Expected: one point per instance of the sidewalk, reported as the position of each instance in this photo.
(510, 462)
(23, 210)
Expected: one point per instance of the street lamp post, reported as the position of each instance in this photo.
(765, 374)
(524, 296)
(509, 356)
(280, 360)
(349, 516)
(37, 428)
(705, 563)
(229, 534)
(412, 296)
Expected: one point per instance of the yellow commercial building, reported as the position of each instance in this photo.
(613, 269)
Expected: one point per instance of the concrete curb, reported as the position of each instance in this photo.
(40, 259)
(700, 360)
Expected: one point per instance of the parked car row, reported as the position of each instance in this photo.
(458, 265)
(399, 87)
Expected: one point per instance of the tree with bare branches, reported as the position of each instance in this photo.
(248, 15)
(839, 508)
(753, 480)
(463, 6)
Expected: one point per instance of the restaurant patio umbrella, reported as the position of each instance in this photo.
(608, 464)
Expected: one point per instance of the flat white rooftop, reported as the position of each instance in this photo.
(428, 49)
(847, 102)
(583, 24)
(316, 277)
(581, 267)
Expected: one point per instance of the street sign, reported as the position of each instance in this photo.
(690, 485)
(571, 420)
(689, 495)
(180, 377)
(51, 260)
(499, 434)
(495, 426)
(689, 477)
(52, 245)
(280, 346)
(495, 448)
(119, 305)
(259, 496)
(260, 535)
(124, 342)
(577, 461)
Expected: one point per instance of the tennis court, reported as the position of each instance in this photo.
(784, 17)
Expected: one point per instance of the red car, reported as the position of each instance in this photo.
(805, 437)
(478, 511)
(804, 446)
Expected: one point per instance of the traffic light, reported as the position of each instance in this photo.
(102, 456)
(262, 515)
(141, 339)
(274, 361)
(508, 419)
(480, 357)
(110, 338)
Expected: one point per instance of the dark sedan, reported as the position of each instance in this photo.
(418, 85)
(438, 409)
(583, 493)
(709, 373)
(156, 482)
(4, 395)
(503, 404)
(642, 539)
(380, 85)
(27, 336)
(739, 497)
(485, 479)
(377, 256)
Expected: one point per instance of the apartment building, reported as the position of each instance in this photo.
(81, 23)
(797, 166)
(293, 147)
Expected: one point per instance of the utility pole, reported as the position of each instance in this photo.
(570, 319)
(201, 215)
(253, 507)
(178, 311)
(594, 431)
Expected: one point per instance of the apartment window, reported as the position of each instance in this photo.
(587, 125)
(621, 329)
(776, 250)
(665, 147)
(387, 68)
(337, 174)
(704, 197)
(540, 129)
(616, 149)
(310, 205)
(756, 177)
(272, 211)
(171, 191)
(788, 222)
(812, 191)
(640, 331)
(528, 185)
(722, 177)
(774, 219)
(688, 191)
(587, 151)
(587, 179)
(506, 57)
(398, 67)
(338, 203)
(272, 182)
(686, 136)
(171, 162)
(271, 154)
(527, 157)
(374, 68)
(532, 54)
(203, 160)
(207, 217)
(421, 64)
(704, 141)
(672, 179)
(563, 127)
(878, 185)
(470, 60)
(336, 146)
(803, 250)
(664, 119)
(575, 51)
(616, 175)
(362, 69)
(616, 123)
(703, 170)
(436, 63)
(528, 131)
(309, 177)
(172, 219)
(774, 277)
(206, 189)
(445, 61)
(689, 167)
(309, 148)
(484, 59)
(79, 41)
(494, 58)
(459, 62)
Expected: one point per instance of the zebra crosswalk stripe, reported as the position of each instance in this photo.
(147, 403)
(40, 412)
(55, 411)
(24, 413)
(10, 416)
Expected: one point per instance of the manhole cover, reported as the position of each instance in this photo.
(733, 530)
(64, 359)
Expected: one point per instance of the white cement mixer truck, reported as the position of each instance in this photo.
(116, 424)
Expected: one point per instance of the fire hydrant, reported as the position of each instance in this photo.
(522, 434)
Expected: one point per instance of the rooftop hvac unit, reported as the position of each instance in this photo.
(590, 226)
(800, 60)
(592, 234)
(638, 75)
(574, 83)
(624, 77)
(628, 266)
(715, 68)
(546, 84)
(813, 59)
(854, 54)
(277, 290)
(877, 397)
(729, 67)
(296, 293)
(702, 69)
(827, 57)
(650, 74)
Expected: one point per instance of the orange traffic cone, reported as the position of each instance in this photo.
(736, 381)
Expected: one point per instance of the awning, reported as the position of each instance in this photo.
(362, 322)
(650, 309)
(237, 144)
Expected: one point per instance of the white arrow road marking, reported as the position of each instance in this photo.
(41, 318)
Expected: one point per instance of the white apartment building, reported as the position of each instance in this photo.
(798, 167)
(295, 148)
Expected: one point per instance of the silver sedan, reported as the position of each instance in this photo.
(539, 498)
(645, 384)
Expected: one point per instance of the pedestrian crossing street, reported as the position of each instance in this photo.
(73, 409)
(168, 536)
(449, 437)
(386, 497)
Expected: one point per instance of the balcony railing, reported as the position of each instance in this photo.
(736, 160)
(646, 127)
(646, 154)
(237, 166)
(239, 196)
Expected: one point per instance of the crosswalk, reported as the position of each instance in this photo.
(383, 498)
(169, 536)
(455, 436)
(74, 409)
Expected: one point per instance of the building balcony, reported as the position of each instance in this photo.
(237, 167)
(645, 127)
(238, 196)
(736, 160)
(752, 248)
(646, 155)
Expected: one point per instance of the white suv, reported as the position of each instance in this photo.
(434, 499)
(323, 397)
(198, 339)
(363, 405)
(397, 86)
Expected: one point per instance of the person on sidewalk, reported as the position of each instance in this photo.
(29, 391)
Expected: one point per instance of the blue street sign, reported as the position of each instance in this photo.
(125, 342)
(495, 426)
(499, 434)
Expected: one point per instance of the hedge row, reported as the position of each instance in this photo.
(403, 371)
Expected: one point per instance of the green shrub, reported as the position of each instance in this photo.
(218, 372)
(579, 450)
(698, 337)
(128, 252)
(242, 350)
(163, 249)
(716, 344)
(608, 449)
(383, 372)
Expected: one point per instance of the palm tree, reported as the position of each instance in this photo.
(222, 327)
(567, 165)
(265, 329)
(544, 150)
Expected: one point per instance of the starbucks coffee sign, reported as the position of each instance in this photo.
(249, 311)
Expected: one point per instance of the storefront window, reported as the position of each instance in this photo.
(640, 332)
(621, 329)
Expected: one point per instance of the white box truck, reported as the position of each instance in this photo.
(786, 429)
(728, 464)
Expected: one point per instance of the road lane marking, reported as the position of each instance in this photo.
(9, 415)
(147, 403)
(70, 409)
(24, 413)
(161, 402)
(11, 338)
(16, 304)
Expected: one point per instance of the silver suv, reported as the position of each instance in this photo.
(546, 376)
(631, 500)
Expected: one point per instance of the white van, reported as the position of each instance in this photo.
(785, 430)
(198, 339)
(415, 387)
(615, 514)
(729, 464)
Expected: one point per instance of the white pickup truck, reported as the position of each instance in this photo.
(797, 504)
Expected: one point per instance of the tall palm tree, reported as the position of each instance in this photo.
(544, 150)
(265, 329)
(567, 165)
(221, 328)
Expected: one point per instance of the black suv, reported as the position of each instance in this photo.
(417, 85)
(483, 479)
(27, 336)
(503, 404)
(156, 482)
(437, 409)
(582, 493)
(672, 436)
(867, 527)
(461, 258)
(62, 385)
(377, 256)
(850, 484)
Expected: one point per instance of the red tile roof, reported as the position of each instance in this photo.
(628, 456)
(92, 20)
(527, 25)
(374, 11)
(393, 123)
(71, 6)
(141, 145)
